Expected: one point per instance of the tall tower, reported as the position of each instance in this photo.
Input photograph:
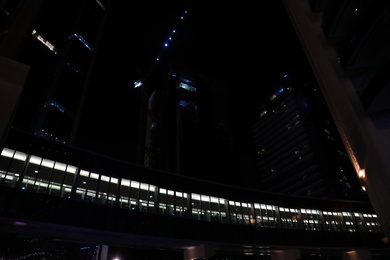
(58, 40)
(347, 46)
(299, 151)
(187, 129)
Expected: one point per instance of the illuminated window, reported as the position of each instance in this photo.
(44, 41)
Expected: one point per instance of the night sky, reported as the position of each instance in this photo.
(249, 45)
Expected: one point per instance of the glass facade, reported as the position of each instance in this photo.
(24, 171)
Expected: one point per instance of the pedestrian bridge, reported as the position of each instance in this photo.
(68, 194)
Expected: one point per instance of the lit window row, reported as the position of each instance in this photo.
(29, 172)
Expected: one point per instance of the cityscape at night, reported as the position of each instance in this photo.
(190, 130)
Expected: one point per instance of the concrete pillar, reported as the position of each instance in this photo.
(196, 252)
(102, 252)
(288, 254)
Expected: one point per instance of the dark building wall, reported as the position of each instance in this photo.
(57, 40)
(193, 135)
(298, 148)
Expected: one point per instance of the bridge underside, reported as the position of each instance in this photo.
(32, 215)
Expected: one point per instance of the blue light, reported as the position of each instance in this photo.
(183, 103)
(279, 91)
(56, 105)
(82, 40)
(166, 44)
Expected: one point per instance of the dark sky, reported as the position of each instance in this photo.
(249, 44)
(228, 35)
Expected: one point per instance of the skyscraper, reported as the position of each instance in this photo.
(187, 126)
(299, 150)
(59, 42)
(346, 46)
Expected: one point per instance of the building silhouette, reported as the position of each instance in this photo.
(346, 48)
(59, 41)
(187, 128)
(299, 150)
(55, 189)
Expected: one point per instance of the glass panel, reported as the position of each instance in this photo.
(56, 179)
(238, 208)
(92, 185)
(44, 175)
(124, 194)
(143, 197)
(134, 194)
(11, 166)
(361, 225)
(268, 216)
(336, 220)
(11, 169)
(372, 222)
(311, 219)
(15, 170)
(181, 204)
(152, 198)
(206, 212)
(162, 202)
(82, 184)
(223, 210)
(349, 222)
(70, 176)
(266, 220)
(41, 186)
(170, 203)
(196, 206)
(214, 206)
(247, 213)
(31, 173)
(258, 214)
(103, 189)
(112, 190)
(5, 161)
(272, 216)
(7, 153)
(233, 214)
(289, 217)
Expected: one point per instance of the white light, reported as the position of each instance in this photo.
(362, 173)
(137, 84)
